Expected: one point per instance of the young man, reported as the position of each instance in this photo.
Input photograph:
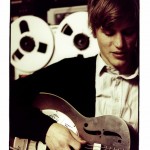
(106, 84)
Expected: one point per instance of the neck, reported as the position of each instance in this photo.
(130, 67)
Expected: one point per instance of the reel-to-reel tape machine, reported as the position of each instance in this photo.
(32, 44)
(35, 44)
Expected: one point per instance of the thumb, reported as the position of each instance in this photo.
(77, 137)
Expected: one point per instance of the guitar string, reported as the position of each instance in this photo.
(90, 146)
(103, 148)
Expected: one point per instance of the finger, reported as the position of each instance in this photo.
(75, 145)
(66, 148)
(76, 137)
(62, 147)
(76, 141)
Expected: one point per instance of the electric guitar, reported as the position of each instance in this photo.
(101, 133)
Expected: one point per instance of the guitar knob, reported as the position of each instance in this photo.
(86, 124)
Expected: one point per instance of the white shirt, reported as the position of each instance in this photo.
(116, 94)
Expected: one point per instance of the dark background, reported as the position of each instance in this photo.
(39, 7)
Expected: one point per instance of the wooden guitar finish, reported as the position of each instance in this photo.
(109, 131)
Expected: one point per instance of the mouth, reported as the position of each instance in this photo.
(119, 55)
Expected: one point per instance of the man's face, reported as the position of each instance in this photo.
(117, 44)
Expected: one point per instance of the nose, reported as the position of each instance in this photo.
(118, 40)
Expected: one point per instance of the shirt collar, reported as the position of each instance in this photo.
(101, 66)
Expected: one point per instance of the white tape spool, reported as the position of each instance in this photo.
(32, 43)
(74, 26)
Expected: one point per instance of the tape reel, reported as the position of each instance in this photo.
(32, 44)
(73, 37)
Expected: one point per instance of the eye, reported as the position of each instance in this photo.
(129, 31)
(108, 32)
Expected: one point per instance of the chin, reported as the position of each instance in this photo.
(120, 65)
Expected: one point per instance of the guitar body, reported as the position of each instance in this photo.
(104, 132)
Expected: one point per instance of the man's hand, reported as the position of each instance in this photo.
(59, 137)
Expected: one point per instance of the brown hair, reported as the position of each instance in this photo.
(106, 13)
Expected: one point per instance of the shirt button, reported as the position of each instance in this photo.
(112, 79)
(114, 112)
(116, 99)
(117, 82)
